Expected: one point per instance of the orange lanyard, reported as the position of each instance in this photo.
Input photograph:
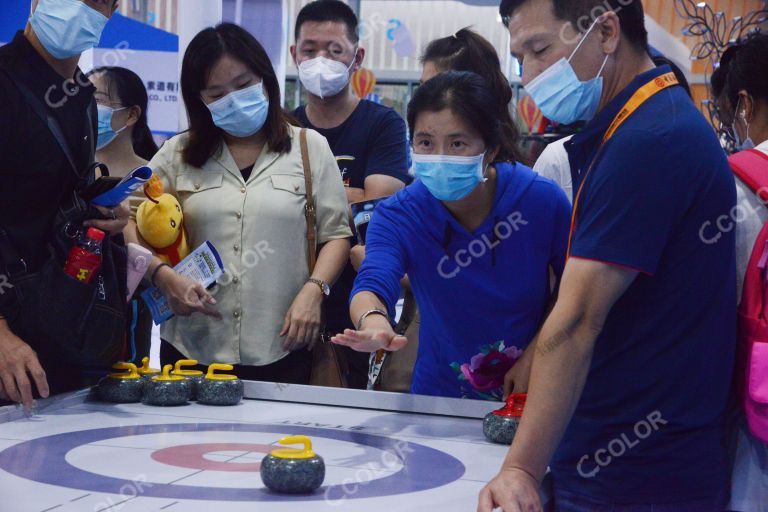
(635, 102)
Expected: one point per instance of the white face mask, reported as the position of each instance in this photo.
(324, 77)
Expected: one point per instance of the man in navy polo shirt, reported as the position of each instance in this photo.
(368, 140)
(632, 368)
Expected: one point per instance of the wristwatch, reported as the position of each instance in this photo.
(322, 284)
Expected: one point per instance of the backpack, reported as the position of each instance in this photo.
(752, 351)
(64, 320)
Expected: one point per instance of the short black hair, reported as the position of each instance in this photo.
(470, 98)
(747, 69)
(582, 13)
(321, 11)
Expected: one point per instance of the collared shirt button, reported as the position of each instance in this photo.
(236, 247)
(236, 313)
(239, 215)
(197, 186)
(235, 279)
(242, 190)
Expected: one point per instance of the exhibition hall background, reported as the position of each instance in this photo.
(148, 36)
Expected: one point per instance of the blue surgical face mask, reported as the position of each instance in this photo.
(241, 113)
(67, 28)
(449, 178)
(561, 96)
(106, 133)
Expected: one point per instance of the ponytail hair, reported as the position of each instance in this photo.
(471, 99)
(126, 86)
(466, 50)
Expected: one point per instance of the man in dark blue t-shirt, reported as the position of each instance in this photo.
(632, 369)
(368, 140)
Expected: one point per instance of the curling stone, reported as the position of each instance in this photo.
(195, 377)
(166, 389)
(121, 388)
(501, 425)
(293, 471)
(146, 372)
(220, 389)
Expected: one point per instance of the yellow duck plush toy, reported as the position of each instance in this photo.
(161, 223)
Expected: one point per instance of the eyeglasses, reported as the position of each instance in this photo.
(110, 104)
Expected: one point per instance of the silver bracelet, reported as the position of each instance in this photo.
(368, 313)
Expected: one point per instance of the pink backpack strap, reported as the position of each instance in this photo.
(751, 167)
(752, 296)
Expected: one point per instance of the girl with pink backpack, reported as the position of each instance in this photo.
(741, 87)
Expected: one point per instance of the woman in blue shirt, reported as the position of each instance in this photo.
(477, 235)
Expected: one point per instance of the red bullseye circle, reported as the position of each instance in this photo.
(192, 456)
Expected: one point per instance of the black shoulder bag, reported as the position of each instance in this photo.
(60, 317)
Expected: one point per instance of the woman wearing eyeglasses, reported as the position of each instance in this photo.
(124, 140)
(124, 143)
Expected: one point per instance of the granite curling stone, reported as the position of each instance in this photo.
(501, 425)
(121, 388)
(293, 471)
(195, 377)
(145, 371)
(220, 389)
(166, 389)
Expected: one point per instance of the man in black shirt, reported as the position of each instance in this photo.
(35, 173)
(369, 140)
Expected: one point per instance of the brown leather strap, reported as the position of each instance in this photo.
(326, 365)
(309, 208)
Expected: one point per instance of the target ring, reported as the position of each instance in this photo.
(44, 460)
(192, 456)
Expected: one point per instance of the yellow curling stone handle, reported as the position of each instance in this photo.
(218, 376)
(166, 376)
(144, 369)
(293, 453)
(130, 374)
(186, 373)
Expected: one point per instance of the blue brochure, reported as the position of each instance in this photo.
(127, 186)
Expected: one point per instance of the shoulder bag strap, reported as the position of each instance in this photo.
(326, 364)
(53, 125)
(309, 208)
(14, 265)
(751, 167)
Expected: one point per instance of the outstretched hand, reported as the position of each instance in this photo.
(378, 335)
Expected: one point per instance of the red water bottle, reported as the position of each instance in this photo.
(84, 261)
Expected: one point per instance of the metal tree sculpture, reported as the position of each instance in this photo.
(716, 35)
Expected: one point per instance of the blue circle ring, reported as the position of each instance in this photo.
(44, 460)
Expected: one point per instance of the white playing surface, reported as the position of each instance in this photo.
(352, 468)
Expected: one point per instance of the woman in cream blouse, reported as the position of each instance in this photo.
(239, 177)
